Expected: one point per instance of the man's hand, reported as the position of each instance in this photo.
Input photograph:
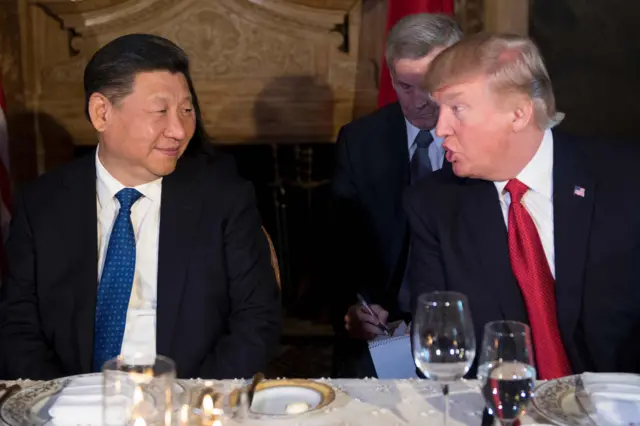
(361, 324)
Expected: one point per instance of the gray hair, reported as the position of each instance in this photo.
(414, 36)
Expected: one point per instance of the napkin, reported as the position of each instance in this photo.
(80, 403)
(610, 398)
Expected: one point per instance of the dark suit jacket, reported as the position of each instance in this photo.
(370, 242)
(459, 243)
(218, 306)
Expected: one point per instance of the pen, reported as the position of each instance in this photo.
(380, 324)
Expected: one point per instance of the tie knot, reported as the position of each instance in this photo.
(424, 139)
(517, 190)
(127, 197)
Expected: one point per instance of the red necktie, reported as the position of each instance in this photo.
(533, 274)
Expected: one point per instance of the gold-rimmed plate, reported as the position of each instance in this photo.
(30, 405)
(288, 397)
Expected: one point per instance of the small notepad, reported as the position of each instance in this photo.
(392, 356)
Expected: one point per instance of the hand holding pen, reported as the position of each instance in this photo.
(366, 321)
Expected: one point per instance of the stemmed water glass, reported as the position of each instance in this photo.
(506, 369)
(443, 340)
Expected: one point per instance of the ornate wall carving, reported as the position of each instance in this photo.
(265, 70)
(20, 124)
(470, 15)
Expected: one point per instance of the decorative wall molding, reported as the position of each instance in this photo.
(265, 70)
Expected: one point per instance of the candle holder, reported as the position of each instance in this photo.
(210, 405)
(138, 391)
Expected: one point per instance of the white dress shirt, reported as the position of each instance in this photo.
(140, 331)
(436, 152)
(538, 176)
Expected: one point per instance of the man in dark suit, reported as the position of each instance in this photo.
(378, 156)
(535, 226)
(139, 249)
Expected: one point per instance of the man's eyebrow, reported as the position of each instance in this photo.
(448, 97)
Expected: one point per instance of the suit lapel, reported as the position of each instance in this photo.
(395, 161)
(179, 215)
(572, 219)
(488, 234)
(397, 149)
(79, 221)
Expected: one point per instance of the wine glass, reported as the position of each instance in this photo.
(506, 369)
(444, 344)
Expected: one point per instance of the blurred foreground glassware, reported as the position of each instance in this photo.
(505, 369)
(138, 391)
(444, 344)
(214, 403)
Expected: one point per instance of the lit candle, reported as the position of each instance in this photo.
(184, 415)
(207, 410)
(211, 416)
(138, 396)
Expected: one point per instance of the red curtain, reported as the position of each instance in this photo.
(397, 10)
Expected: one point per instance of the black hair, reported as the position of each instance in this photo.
(113, 68)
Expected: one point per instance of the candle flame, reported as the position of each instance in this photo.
(138, 397)
(207, 405)
(184, 413)
(140, 422)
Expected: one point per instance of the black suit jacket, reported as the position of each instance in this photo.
(459, 243)
(370, 243)
(218, 306)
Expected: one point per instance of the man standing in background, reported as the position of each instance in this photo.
(378, 156)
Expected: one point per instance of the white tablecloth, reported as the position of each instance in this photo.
(374, 402)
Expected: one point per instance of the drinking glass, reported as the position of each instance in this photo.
(138, 390)
(444, 344)
(506, 369)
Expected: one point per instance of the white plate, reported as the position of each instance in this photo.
(555, 400)
(289, 397)
(26, 407)
(285, 400)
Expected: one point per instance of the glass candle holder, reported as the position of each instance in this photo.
(213, 404)
(138, 391)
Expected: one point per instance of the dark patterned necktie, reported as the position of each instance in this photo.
(116, 281)
(420, 165)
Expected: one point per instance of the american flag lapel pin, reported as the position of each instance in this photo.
(579, 191)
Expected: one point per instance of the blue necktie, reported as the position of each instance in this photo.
(114, 290)
(420, 164)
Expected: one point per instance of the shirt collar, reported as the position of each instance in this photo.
(107, 186)
(538, 173)
(412, 133)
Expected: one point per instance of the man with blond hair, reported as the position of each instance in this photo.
(534, 226)
(378, 156)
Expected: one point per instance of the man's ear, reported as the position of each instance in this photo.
(99, 111)
(523, 113)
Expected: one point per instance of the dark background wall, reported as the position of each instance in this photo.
(592, 51)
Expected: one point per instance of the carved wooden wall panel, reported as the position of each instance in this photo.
(264, 70)
(20, 123)
(470, 15)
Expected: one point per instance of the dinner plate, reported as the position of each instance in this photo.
(26, 407)
(288, 397)
(556, 401)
